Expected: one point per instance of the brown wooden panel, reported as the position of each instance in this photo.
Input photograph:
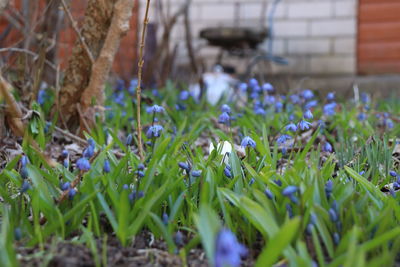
(382, 51)
(378, 48)
(372, 32)
(379, 67)
(379, 11)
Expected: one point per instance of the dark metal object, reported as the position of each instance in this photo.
(232, 38)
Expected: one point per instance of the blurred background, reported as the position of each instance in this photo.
(322, 44)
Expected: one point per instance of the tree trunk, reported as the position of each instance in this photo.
(95, 27)
(101, 68)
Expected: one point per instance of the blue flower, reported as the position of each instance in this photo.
(120, 85)
(128, 140)
(180, 106)
(311, 104)
(224, 118)
(278, 182)
(362, 116)
(393, 173)
(304, 125)
(66, 163)
(389, 124)
(165, 218)
(307, 94)
(267, 87)
(140, 166)
(83, 164)
(179, 239)
(25, 186)
(328, 188)
(248, 142)
(184, 166)
(140, 174)
(289, 210)
(24, 160)
(106, 166)
(295, 99)
(243, 87)
(327, 147)
(227, 171)
(291, 127)
(259, 111)
(308, 115)
(253, 82)
(184, 95)
(254, 95)
(154, 131)
(329, 109)
(330, 96)
(278, 107)
(196, 173)
(226, 108)
(65, 186)
(24, 172)
(125, 187)
(228, 251)
(268, 193)
(269, 100)
(64, 153)
(41, 98)
(283, 138)
(365, 98)
(336, 238)
(88, 152)
(333, 215)
(72, 192)
(289, 190)
(155, 109)
(155, 93)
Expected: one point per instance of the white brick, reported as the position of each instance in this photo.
(333, 65)
(290, 28)
(333, 27)
(345, 8)
(344, 45)
(309, 46)
(278, 47)
(310, 10)
(218, 12)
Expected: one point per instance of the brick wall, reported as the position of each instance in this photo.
(316, 36)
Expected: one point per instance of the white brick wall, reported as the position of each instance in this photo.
(316, 36)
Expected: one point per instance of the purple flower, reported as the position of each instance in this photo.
(226, 108)
(154, 131)
(227, 172)
(278, 107)
(24, 160)
(64, 153)
(140, 166)
(196, 173)
(393, 173)
(140, 174)
(327, 147)
(365, 98)
(184, 95)
(253, 82)
(307, 94)
(311, 104)
(329, 109)
(283, 138)
(289, 190)
(184, 166)
(83, 164)
(65, 186)
(267, 87)
(88, 152)
(362, 117)
(165, 218)
(41, 98)
(25, 186)
(155, 109)
(243, 87)
(333, 215)
(291, 127)
(330, 96)
(106, 166)
(328, 188)
(269, 100)
(259, 111)
(72, 192)
(224, 118)
(304, 125)
(228, 251)
(295, 99)
(308, 115)
(128, 140)
(268, 193)
(248, 142)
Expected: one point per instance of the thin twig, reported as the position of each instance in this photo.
(26, 51)
(74, 26)
(139, 89)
